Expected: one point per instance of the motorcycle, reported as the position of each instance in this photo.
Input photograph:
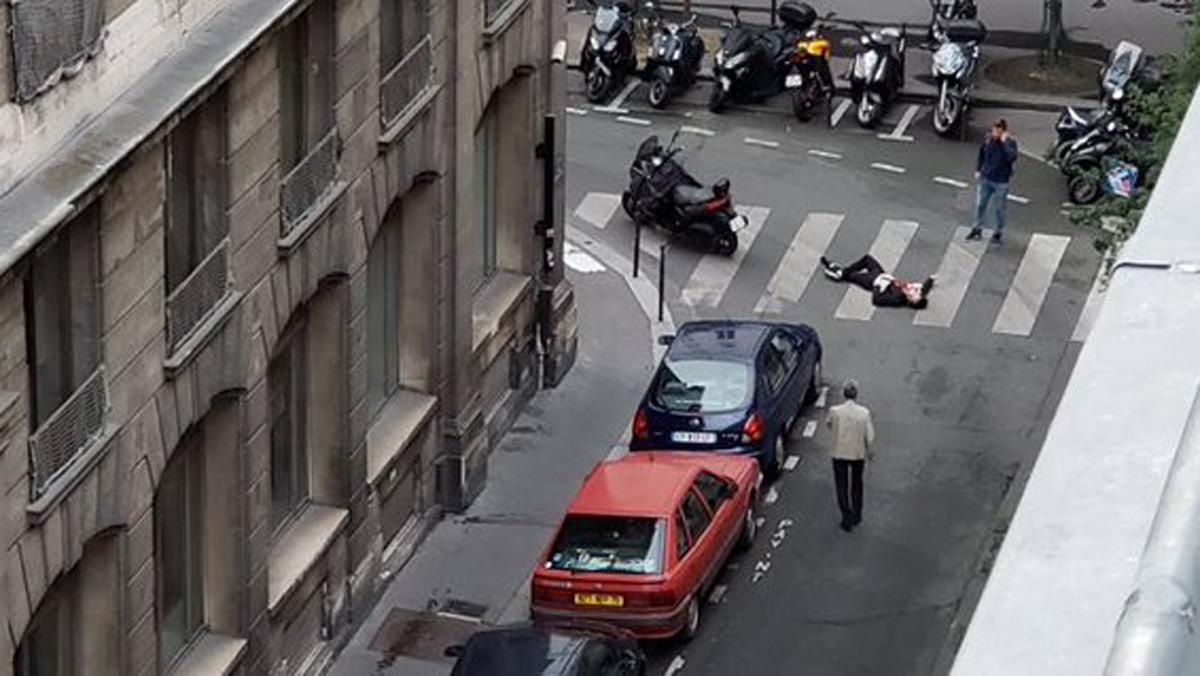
(810, 80)
(608, 55)
(753, 61)
(662, 192)
(676, 51)
(877, 73)
(1084, 160)
(1073, 124)
(945, 11)
(953, 68)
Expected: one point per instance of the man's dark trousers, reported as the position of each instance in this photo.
(847, 480)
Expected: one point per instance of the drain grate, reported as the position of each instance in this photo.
(463, 610)
(421, 635)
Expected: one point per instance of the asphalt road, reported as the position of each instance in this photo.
(959, 405)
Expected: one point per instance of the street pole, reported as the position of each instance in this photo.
(774, 7)
(545, 227)
(637, 247)
(662, 276)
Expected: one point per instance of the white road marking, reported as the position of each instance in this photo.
(1035, 156)
(751, 141)
(759, 521)
(791, 462)
(950, 182)
(889, 246)
(771, 497)
(824, 153)
(675, 665)
(617, 451)
(1028, 290)
(800, 261)
(888, 167)
(820, 403)
(762, 566)
(634, 120)
(1018, 199)
(577, 111)
(839, 112)
(610, 109)
(579, 260)
(633, 84)
(1091, 308)
(718, 593)
(810, 428)
(597, 208)
(906, 119)
(714, 273)
(698, 131)
(889, 137)
(953, 277)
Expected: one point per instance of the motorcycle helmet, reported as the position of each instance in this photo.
(721, 188)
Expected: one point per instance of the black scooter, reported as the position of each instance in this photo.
(608, 55)
(663, 193)
(1084, 161)
(877, 73)
(674, 60)
(754, 61)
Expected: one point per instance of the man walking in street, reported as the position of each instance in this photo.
(993, 168)
(853, 435)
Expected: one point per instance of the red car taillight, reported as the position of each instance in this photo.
(641, 425)
(752, 431)
(713, 206)
(543, 593)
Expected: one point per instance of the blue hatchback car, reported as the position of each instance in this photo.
(730, 387)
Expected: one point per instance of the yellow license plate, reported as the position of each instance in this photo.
(607, 600)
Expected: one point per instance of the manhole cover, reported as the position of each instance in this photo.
(421, 635)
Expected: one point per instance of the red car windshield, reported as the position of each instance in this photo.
(609, 544)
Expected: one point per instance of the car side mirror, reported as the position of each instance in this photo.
(454, 651)
(666, 339)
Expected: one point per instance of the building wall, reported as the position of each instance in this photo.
(283, 600)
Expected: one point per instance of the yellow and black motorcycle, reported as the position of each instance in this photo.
(810, 80)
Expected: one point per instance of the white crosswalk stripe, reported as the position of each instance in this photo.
(597, 208)
(953, 277)
(889, 246)
(801, 260)
(1028, 290)
(713, 274)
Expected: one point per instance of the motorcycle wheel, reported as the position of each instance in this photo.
(725, 243)
(718, 98)
(802, 104)
(627, 204)
(1082, 189)
(946, 114)
(659, 92)
(868, 112)
(1060, 153)
(597, 86)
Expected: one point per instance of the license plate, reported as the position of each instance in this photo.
(694, 437)
(738, 222)
(606, 600)
(794, 80)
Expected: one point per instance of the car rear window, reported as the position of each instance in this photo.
(609, 544)
(703, 385)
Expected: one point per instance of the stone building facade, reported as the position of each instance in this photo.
(275, 275)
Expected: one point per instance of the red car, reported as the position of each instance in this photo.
(644, 540)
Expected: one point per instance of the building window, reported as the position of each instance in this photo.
(485, 193)
(403, 24)
(48, 648)
(288, 384)
(62, 315)
(384, 287)
(197, 254)
(52, 39)
(179, 547)
(306, 85)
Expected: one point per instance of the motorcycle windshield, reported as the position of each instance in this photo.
(737, 40)
(606, 19)
(949, 59)
(648, 147)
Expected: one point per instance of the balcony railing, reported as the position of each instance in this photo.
(192, 301)
(402, 86)
(304, 186)
(68, 431)
(494, 7)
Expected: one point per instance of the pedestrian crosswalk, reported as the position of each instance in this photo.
(706, 282)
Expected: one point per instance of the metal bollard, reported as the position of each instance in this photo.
(637, 247)
(662, 277)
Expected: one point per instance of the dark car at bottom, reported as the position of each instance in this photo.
(554, 649)
(730, 386)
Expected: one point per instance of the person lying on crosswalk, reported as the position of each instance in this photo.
(886, 290)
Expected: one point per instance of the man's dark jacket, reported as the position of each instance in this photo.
(996, 159)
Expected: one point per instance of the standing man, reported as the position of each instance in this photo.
(853, 435)
(994, 168)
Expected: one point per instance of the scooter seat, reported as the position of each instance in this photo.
(886, 36)
(685, 195)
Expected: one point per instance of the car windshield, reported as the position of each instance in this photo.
(609, 544)
(703, 385)
(606, 19)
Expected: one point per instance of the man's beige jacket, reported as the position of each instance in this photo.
(853, 432)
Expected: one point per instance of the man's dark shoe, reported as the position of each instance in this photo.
(856, 520)
(975, 233)
(997, 237)
(846, 525)
(927, 285)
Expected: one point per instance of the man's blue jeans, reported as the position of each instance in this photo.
(991, 191)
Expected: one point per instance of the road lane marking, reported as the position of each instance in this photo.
(597, 208)
(820, 403)
(810, 428)
(950, 182)
(800, 261)
(634, 120)
(579, 261)
(617, 451)
(791, 462)
(1018, 199)
(1091, 308)
(718, 593)
(675, 665)
(1028, 291)
(713, 274)
(771, 497)
(954, 274)
(750, 140)
(633, 84)
(889, 246)
(839, 112)
(906, 119)
(611, 110)
(824, 153)
(577, 111)
(698, 131)
(888, 167)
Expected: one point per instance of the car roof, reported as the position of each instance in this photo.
(638, 484)
(514, 651)
(734, 339)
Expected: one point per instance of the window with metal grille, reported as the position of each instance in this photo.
(494, 8)
(197, 252)
(288, 387)
(179, 553)
(51, 39)
(405, 55)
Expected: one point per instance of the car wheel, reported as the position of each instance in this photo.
(749, 527)
(778, 455)
(814, 387)
(691, 626)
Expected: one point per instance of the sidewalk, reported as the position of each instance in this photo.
(477, 563)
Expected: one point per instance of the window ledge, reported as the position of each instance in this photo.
(493, 301)
(201, 335)
(37, 511)
(211, 654)
(503, 19)
(299, 549)
(290, 242)
(397, 128)
(394, 428)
